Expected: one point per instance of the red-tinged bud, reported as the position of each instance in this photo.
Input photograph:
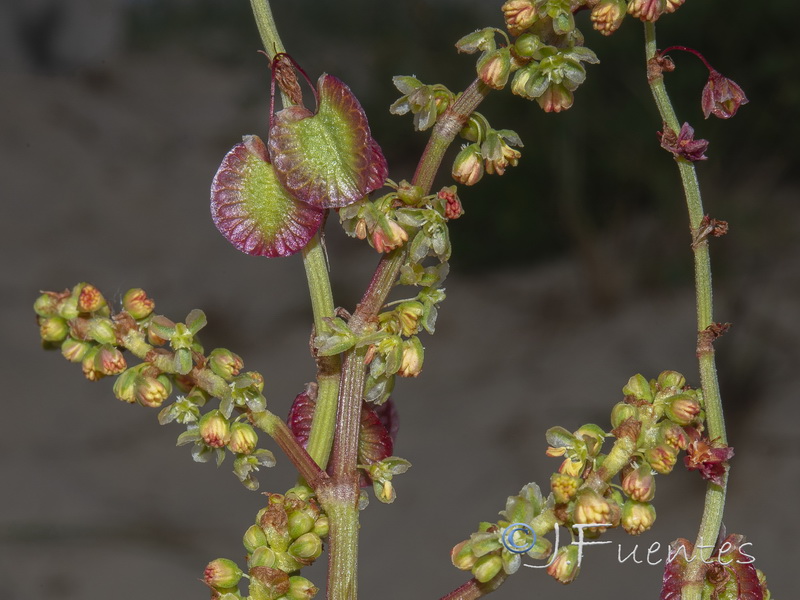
(109, 360)
(647, 10)
(673, 5)
(683, 144)
(152, 391)
(637, 517)
(508, 157)
(225, 363)
(244, 439)
(468, 165)
(125, 385)
(639, 484)
(494, 68)
(222, 573)
(574, 468)
(267, 583)
(388, 238)
(46, 305)
(487, 567)
(75, 350)
(683, 409)
(413, 356)
(301, 588)
(254, 538)
(452, 206)
(137, 304)
(607, 15)
(214, 429)
(519, 15)
(721, 96)
(87, 365)
(661, 458)
(89, 298)
(462, 557)
(555, 99)
(53, 329)
(564, 487)
(673, 435)
(306, 548)
(564, 567)
(591, 507)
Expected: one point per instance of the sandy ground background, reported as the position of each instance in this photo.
(105, 177)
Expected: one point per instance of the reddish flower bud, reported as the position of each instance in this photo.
(640, 485)
(662, 458)
(710, 460)
(389, 238)
(683, 409)
(468, 166)
(673, 5)
(452, 207)
(721, 96)
(109, 360)
(222, 573)
(137, 304)
(89, 298)
(519, 15)
(647, 10)
(564, 567)
(244, 438)
(555, 99)
(683, 144)
(494, 68)
(637, 517)
(591, 507)
(214, 429)
(607, 15)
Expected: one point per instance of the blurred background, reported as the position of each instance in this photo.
(570, 273)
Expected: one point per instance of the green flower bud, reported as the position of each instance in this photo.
(287, 563)
(152, 391)
(462, 557)
(637, 517)
(468, 165)
(225, 363)
(46, 305)
(670, 379)
(254, 538)
(68, 308)
(53, 329)
(307, 547)
(101, 330)
(300, 523)
(75, 350)
(321, 526)
(564, 567)
(244, 438)
(592, 436)
(639, 484)
(87, 365)
(263, 556)
(301, 588)
(214, 429)
(89, 298)
(682, 409)
(639, 388)
(662, 458)
(125, 385)
(409, 194)
(494, 67)
(137, 304)
(527, 44)
(486, 567)
(222, 573)
(275, 523)
(621, 412)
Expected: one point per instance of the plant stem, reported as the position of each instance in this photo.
(341, 504)
(475, 589)
(278, 431)
(715, 494)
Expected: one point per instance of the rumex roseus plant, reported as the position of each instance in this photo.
(319, 161)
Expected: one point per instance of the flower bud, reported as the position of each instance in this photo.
(125, 385)
(637, 517)
(564, 567)
(527, 44)
(307, 547)
(673, 5)
(519, 15)
(152, 391)
(721, 96)
(683, 409)
(591, 507)
(244, 438)
(262, 556)
(462, 557)
(555, 98)
(494, 68)
(301, 588)
(408, 313)
(225, 363)
(413, 355)
(673, 435)
(647, 10)
(564, 487)
(254, 538)
(267, 583)
(68, 308)
(607, 15)
(87, 364)
(468, 165)
(621, 412)
(214, 429)
(53, 329)
(670, 380)
(639, 388)
(109, 360)
(408, 193)
(46, 305)
(222, 573)
(275, 523)
(321, 526)
(89, 298)
(661, 458)
(101, 330)
(300, 523)
(487, 567)
(75, 350)
(388, 237)
(452, 207)
(639, 484)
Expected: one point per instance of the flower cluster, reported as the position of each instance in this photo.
(286, 537)
(81, 323)
(490, 151)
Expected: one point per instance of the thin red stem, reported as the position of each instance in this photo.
(691, 51)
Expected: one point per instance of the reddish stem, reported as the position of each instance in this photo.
(691, 51)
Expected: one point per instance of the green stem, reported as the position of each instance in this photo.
(715, 494)
(319, 286)
(274, 426)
